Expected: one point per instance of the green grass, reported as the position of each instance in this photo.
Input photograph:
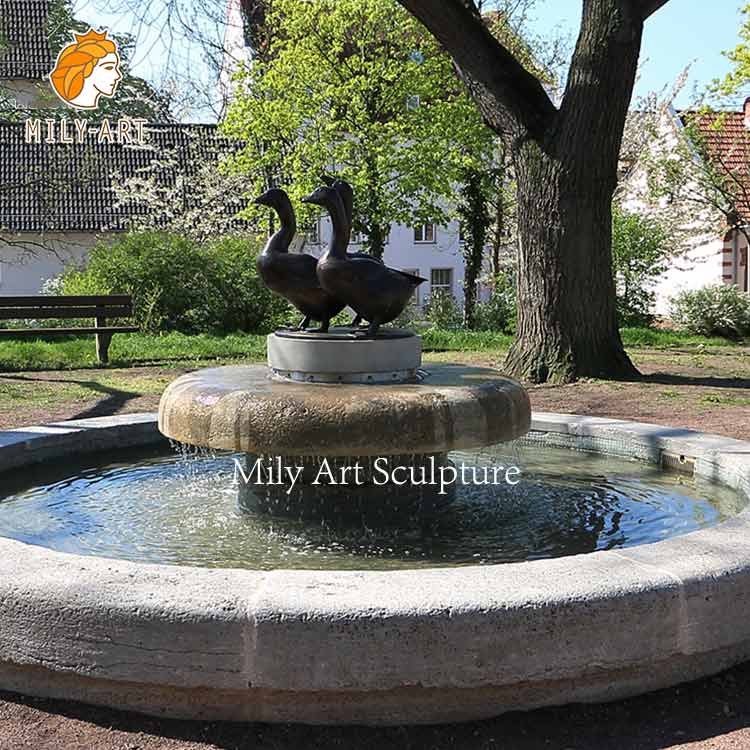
(671, 394)
(658, 339)
(437, 340)
(721, 399)
(71, 352)
(434, 340)
(127, 349)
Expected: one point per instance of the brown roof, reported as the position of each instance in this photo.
(725, 139)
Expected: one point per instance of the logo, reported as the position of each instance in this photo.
(87, 70)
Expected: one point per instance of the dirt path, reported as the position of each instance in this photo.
(712, 714)
(710, 392)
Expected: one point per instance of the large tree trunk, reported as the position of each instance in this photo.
(567, 316)
(567, 322)
(566, 167)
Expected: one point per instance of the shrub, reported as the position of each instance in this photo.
(498, 313)
(246, 304)
(442, 311)
(410, 316)
(715, 310)
(639, 252)
(177, 284)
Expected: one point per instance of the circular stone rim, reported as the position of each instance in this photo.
(245, 409)
(415, 646)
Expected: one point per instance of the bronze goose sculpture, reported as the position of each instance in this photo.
(375, 292)
(344, 189)
(293, 275)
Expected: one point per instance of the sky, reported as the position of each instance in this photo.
(684, 33)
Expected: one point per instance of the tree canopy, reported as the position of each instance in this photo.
(738, 79)
(358, 88)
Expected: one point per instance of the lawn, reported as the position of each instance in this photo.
(76, 353)
(687, 381)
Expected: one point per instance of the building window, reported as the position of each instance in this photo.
(441, 281)
(313, 233)
(358, 238)
(414, 272)
(413, 103)
(424, 233)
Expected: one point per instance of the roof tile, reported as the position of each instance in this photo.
(24, 45)
(727, 142)
(59, 187)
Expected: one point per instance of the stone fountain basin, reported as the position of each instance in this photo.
(243, 408)
(378, 647)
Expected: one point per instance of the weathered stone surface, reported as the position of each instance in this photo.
(244, 409)
(374, 647)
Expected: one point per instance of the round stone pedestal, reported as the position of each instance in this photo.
(245, 410)
(344, 355)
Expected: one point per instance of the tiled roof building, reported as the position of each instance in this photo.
(726, 139)
(24, 46)
(69, 187)
(58, 199)
(707, 208)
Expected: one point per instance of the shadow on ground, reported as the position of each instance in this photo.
(668, 718)
(708, 381)
(112, 401)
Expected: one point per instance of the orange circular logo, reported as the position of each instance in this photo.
(87, 70)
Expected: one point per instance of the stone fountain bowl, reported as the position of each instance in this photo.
(245, 409)
(414, 646)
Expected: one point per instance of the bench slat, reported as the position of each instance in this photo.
(10, 332)
(111, 311)
(65, 300)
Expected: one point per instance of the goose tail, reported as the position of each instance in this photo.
(415, 280)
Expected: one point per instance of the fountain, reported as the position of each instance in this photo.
(147, 580)
(344, 393)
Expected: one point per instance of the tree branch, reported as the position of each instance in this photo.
(484, 63)
(649, 7)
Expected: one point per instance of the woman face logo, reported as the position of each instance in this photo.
(87, 70)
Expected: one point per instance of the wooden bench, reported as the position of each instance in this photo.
(43, 307)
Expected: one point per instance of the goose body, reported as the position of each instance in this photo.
(293, 275)
(375, 292)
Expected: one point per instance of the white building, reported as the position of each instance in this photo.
(431, 251)
(712, 233)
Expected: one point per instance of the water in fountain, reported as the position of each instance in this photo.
(182, 508)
